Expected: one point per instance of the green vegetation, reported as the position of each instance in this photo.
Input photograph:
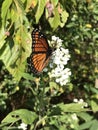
(38, 102)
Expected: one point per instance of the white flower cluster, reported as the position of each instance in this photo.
(60, 59)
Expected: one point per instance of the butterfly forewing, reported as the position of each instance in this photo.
(39, 41)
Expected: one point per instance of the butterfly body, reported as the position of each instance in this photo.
(41, 51)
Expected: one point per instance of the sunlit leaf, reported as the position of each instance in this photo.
(2, 37)
(25, 115)
(31, 3)
(14, 15)
(94, 106)
(55, 2)
(19, 9)
(14, 53)
(53, 85)
(64, 17)
(23, 1)
(5, 8)
(40, 9)
(85, 116)
(55, 21)
(72, 107)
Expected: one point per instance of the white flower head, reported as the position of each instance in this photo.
(60, 59)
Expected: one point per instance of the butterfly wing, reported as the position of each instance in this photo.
(41, 51)
(38, 62)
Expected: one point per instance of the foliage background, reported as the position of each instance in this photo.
(40, 103)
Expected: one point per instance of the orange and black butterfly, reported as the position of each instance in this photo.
(41, 51)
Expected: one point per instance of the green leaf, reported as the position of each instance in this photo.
(14, 15)
(2, 37)
(72, 107)
(19, 6)
(30, 3)
(94, 106)
(24, 1)
(19, 10)
(94, 125)
(55, 2)
(28, 117)
(27, 76)
(55, 21)
(9, 54)
(64, 17)
(85, 116)
(3, 96)
(40, 9)
(3, 125)
(5, 7)
(53, 84)
(91, 125)
(85, 126)
(14, 53)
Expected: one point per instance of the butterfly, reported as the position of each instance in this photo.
(41, 51)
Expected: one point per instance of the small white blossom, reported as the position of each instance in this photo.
(60, 59)
(74, 116)
(23, 126)
(80, 101)
(45, 69)
(72, 126)
(57, 40)
(54, 38)
(75, 100)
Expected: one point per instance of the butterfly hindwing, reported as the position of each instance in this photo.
(38, 62)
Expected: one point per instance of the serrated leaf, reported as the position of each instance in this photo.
(14, 53)
(25, 115)
(40, 9)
